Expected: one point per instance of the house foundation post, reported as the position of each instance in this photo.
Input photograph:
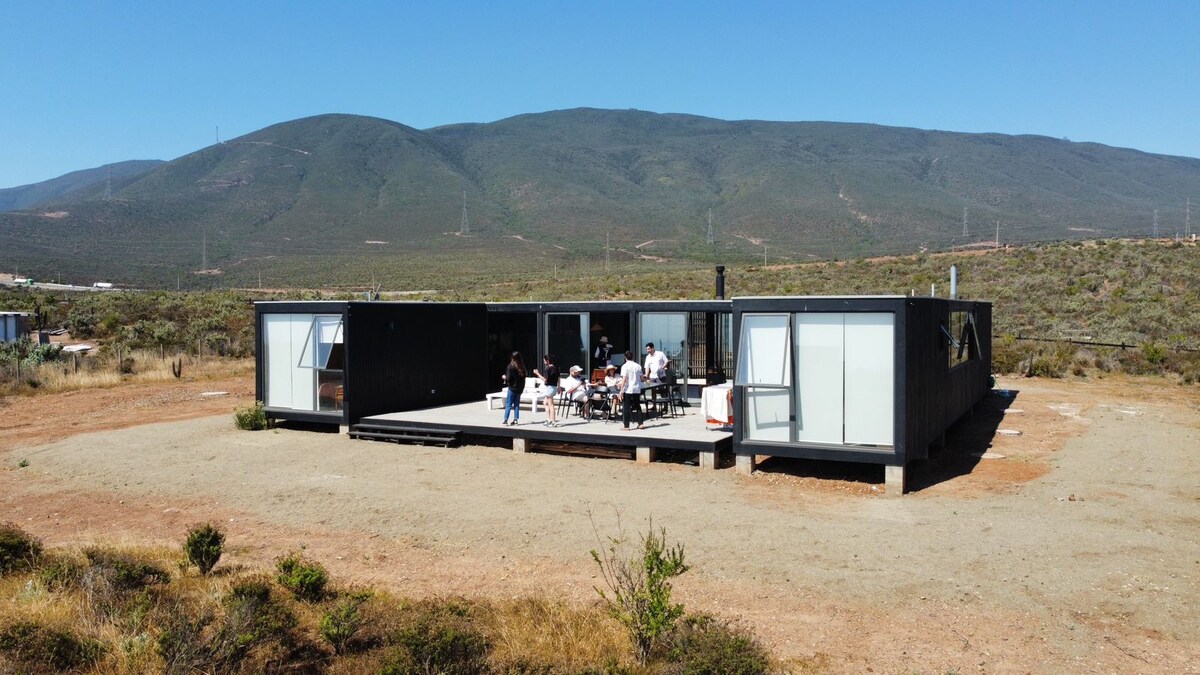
(744, 464)
(708, 459)
(893, 480)
(645, 454)
(520, 445)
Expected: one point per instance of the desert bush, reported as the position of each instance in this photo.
(1007, 355)
(702, 645)
(203, 546)
(58, 572)
(306, 580)
(123, 570)
(639, 589)
(32, 644)
(1051, 360)
(1154, 353)
(18, 549)
(441, 637)
(183, 639)
(341, 624)
(251, 418)
(253, 617)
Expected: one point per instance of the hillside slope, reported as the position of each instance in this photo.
(88, 183)
(333, 198)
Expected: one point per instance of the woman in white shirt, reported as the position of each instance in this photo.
(631, 390)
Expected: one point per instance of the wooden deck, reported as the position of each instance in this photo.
(685, 433)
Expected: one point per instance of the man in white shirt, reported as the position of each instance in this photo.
(656, 364)
(631, 390)
(574, 387)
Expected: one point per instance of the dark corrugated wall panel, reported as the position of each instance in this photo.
(407, 356)
(938, 395)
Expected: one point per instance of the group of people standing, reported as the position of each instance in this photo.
(627, 383)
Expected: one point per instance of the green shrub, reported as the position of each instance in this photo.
(1154, 353)
(339, 625)
(18, 549)
(1051, 361)
(306, 580)
(58, 572)
(251, 417)
(702, 645)
(253, 617)
(32, 644)
(123, 571)
(203, 546)
(639, 588)
(440, 638)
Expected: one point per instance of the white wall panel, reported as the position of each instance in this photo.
(277, 359)
(870, 378)
(304, 380)
(819, 354)
(768, 413)
(288, 385)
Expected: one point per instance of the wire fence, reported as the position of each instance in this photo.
(1091, 343)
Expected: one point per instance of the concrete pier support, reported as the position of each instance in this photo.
(708, 460)
(744, 464)
(343, 429)
(645, 455)
(520, 445)
(893, 480)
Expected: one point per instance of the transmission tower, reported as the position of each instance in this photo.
(1156, 223)
(710, 230)
(465, 228)
(204, 252)
(1187, 218)
(965, 235)
(108, 186)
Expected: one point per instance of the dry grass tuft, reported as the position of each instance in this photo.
(101, 371)
(535, 632)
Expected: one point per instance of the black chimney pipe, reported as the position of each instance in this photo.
(720, 282)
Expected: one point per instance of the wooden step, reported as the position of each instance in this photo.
(400, 434)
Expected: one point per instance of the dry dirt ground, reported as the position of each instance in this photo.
(1072, 547)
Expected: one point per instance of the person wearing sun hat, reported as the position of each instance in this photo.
(604, 352)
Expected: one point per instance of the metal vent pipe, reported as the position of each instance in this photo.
(720, 282)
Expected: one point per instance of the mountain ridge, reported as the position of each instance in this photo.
(568, 185)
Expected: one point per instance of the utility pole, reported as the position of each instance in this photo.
(108, 186)
(965, 235)
(204, 252)
(710, 230)
(260, 281)
(1156, 223)
(1187, 218)
(218, 132)
(764, 255)
(997, 234)
(464, 228)
(606, 250)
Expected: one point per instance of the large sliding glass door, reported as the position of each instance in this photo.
(568, 339)
(669, 333)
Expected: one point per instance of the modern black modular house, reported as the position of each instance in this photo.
(871, 379)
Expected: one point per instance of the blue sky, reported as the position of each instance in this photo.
(87, 83)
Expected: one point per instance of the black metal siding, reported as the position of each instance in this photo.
(406, 356)
(940, 395)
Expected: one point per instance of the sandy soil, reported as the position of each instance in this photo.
(1072, 547)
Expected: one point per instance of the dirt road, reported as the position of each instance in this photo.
(1073, 547)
